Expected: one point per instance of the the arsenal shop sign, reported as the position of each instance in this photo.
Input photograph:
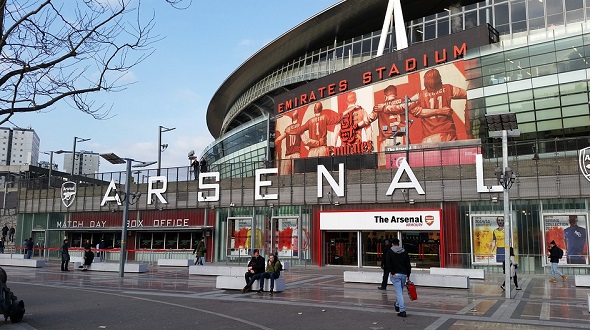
(421, 220)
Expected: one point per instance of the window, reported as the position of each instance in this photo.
(518, 11)
(536, 9)
(501, 14)
(470, 19)
(171, 240)
(443, 27)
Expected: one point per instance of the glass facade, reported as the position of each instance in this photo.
(240, 152)
(544, 83)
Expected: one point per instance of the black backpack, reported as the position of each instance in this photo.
(280, 266)
(559, 253)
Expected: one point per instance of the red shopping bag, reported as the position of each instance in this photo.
(411, 290)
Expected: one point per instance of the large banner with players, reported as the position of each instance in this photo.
(372, 119)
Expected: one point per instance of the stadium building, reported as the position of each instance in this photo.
(381, 119)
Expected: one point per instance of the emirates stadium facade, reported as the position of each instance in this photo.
(524, 57)
(468, 118)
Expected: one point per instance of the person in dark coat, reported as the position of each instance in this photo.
(11, 232)
(203, 165)
(29, 244)
(101, 247)
(87, 244)
(65, 255)
(199, 251)
(398, 265)
(88, 258)
(386, 247)
(4, 232)
(255, 270)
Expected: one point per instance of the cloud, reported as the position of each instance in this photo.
(187, 95)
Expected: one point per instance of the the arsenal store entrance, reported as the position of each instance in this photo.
(357, 238)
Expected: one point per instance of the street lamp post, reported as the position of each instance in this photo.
(50, 153)
(114, 159)
(505, 125)
(76, 139)
(162, 147)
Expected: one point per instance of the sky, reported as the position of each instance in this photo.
(200, 47)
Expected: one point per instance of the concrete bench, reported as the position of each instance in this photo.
(33, 263)
(582, 280)
(77, 262)
(471, 273)
(11, 256)
(174, 262)
(238, 283)
(420, 279)
(114, 267)
(209, 270)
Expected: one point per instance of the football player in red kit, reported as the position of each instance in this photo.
(390, 116)
(292, 145)
(317, 127)
(434, 108)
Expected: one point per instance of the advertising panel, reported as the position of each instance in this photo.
(487, 236)
(569, 231)
(287, 237)
(240, 241)
(372, 118)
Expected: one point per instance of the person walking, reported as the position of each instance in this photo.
(199, 251)
(555, 253)
(386, 247)
(513, 267)
(29, 244)
(65, 256)
(399, 268)
(101, 247)
(2, 246)
(11, 232)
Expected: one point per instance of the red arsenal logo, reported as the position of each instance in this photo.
(429, 220)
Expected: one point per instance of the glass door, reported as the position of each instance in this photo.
(373, 243)
(423, 248)
(341, 248)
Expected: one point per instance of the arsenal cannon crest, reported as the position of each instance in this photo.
(68, 193)
(585, 162)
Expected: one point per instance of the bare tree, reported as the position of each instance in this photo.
(66, 50)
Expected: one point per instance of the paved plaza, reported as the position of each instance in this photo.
(315, 298)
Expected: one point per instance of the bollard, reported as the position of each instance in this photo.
(9, 305)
